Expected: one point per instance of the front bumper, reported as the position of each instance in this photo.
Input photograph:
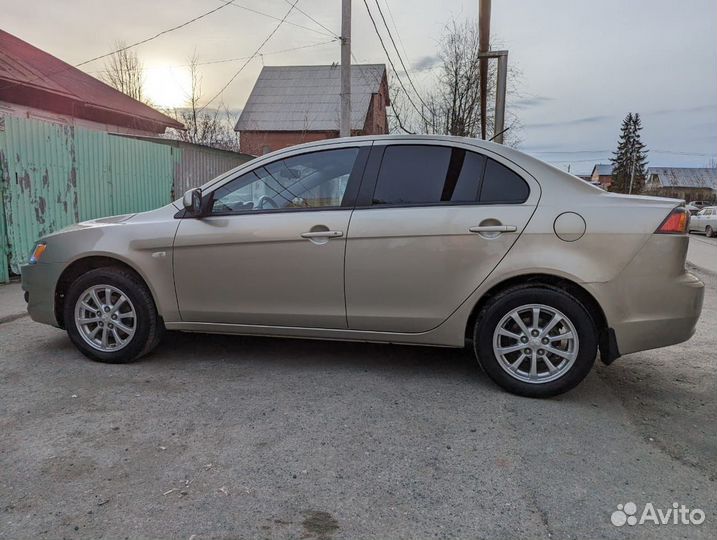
(39, 282)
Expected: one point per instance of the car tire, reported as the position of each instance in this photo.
(125, 325)
(709, 232)
(553, 366)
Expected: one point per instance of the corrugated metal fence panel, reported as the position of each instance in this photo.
(4, 245)
(142, 175)
(53, 175)
(196, 165)
(41, 194)
(94, 183)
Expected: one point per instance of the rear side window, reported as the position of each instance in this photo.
(501, 185)
(415, 174)
(422, 174)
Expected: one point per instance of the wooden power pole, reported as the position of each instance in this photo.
(345, 123)
(483, 47)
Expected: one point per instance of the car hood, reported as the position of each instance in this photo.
(116, 221)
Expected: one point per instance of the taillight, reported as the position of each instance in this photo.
(676, 222)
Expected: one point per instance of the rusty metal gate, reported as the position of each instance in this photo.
(53, 175)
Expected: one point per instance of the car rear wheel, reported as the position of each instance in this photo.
(110, 316)
(709, 232)
(536, 341)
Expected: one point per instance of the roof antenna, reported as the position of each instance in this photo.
(499, 133)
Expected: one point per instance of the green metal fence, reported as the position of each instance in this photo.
(53, 175)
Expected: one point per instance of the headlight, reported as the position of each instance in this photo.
(37, 252)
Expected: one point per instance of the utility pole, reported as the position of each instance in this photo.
(345, 123)
(632, 174)
(483, 47)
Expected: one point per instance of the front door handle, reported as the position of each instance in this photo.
(322, 234)
(493, 228)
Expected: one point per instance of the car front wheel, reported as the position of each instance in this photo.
(535, 341)
(110, 316)
(709, 232)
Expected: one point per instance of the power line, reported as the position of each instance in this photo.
(395, 27)
(681, 153)
(405, 69)
(371, 84)
(650, 150)
(383, 46)
(225, 60)
(257, 51)
(163, 32)
(314, 20)
(210, 62)
(252, 10)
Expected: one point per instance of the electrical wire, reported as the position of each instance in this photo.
(395, 27)
(314, 20)
(256, 52)
(252, 10)
(155, 36)
(405, 69)
(225, 60)
(146, 40)
(390, 61)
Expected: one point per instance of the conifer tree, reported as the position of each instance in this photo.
(631, 153)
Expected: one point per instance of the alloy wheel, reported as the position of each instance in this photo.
(105, 318)
(535, 343)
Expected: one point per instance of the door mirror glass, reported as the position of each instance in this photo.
(192, 202)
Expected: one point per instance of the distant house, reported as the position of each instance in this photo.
(37, 85)
(293, 104)
(602, 174)
(688, 183)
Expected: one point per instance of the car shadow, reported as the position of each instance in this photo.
(180, 347)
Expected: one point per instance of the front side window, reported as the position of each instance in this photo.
(417, 174)
(314, 180)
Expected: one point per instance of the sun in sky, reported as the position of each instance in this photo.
(167, 86)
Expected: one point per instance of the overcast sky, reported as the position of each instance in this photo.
(584, 64)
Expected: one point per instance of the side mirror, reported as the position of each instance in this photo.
(192, 202)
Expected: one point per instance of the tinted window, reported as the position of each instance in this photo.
(501, 185)
(415, 174)
(314, 180)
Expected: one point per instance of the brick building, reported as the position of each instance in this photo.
(294, 104)
(602, 174)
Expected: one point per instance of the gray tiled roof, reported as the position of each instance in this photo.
(683, 177)
(306, 98)
(603, 169)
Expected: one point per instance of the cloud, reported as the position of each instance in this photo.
(426, 63)
(697, 108)
(574, 122)
(532, 101)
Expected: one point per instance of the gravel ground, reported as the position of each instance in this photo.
(231, 437)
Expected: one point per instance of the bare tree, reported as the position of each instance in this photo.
(205, 126)
(125, 72)
(452, 105)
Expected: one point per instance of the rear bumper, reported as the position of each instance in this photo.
(650, 313)
(39, 282)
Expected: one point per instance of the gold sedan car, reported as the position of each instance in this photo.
(400, 239)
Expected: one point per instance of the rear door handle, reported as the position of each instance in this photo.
(493, 228)
(322, 234)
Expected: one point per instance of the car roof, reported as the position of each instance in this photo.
(530, 165)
